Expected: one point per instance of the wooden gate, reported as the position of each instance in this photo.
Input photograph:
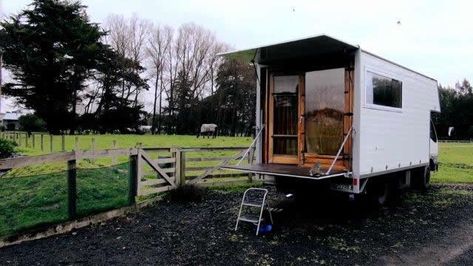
(165, 177)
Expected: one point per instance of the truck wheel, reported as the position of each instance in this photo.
(380, 194)
(422, 179)
(425, 181)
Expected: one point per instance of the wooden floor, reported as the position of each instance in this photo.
(280, 170)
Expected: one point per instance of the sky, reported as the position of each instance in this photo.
(432, 37)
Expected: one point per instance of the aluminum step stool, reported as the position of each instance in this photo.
(254, 198)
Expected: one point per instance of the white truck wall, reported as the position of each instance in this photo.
(356, 116)
(387, 139)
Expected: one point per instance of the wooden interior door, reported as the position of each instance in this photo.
(283, 118)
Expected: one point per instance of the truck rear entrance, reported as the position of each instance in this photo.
(305, 109)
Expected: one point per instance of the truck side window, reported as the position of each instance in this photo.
(383, 91)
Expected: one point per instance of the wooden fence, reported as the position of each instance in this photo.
(48, 143)
(147, 174)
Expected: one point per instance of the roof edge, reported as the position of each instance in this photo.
(285, 42)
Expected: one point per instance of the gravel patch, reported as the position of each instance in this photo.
(311, 231)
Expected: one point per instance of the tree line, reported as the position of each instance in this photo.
(456, 118)
(77, 75)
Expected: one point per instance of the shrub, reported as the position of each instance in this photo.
(31, 122)
(7, 148)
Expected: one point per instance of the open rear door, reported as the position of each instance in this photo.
(309, 116)
(327, 115)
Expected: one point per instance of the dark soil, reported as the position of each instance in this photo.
(306, 231)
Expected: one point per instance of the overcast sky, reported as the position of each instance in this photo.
(432, 37)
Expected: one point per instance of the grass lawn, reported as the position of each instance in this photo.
(456, 163)
(37, 194)
(28, 201)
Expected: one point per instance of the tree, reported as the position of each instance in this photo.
(114, 70)
(128, 38)
(50, 49)
(232, 106)
(456, 105)
(193, 58)
(159, 43)
(31, 122)
(186, 102)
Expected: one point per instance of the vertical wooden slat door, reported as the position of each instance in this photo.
(348, 116)
(283, 119)
(301, 122)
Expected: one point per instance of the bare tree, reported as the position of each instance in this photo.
(188, 53)
(138, 30)
(128, 38)
(195, 55)
(117, 28)
(159, 43)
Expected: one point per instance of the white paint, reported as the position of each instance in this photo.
(390, 138)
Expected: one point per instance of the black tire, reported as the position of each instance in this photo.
(421, 179)
(380, 194)
(425, 181)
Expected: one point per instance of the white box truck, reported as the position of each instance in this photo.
(330, 113)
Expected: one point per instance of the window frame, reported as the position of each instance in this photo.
(370, 105)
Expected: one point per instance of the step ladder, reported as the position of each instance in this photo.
(254, 198)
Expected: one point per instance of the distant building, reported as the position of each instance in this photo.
(9, 120)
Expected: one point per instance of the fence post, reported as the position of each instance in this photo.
(139, 170)
(176, 171)
(180, 167)
(133, 179)
(26, 139)
(63, 142)
(71, 188)
(76, 143)
(114, 157)
(42, 142)
(93, 149)
(18, 137)
(51, 142)
(33, 140)
(251, 154)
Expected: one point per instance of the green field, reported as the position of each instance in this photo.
(36, 195)
(456, 163)
(86, 142)
(29, 201)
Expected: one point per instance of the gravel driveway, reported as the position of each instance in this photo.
(427, 228)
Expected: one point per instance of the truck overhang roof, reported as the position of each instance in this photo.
(303, 48)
